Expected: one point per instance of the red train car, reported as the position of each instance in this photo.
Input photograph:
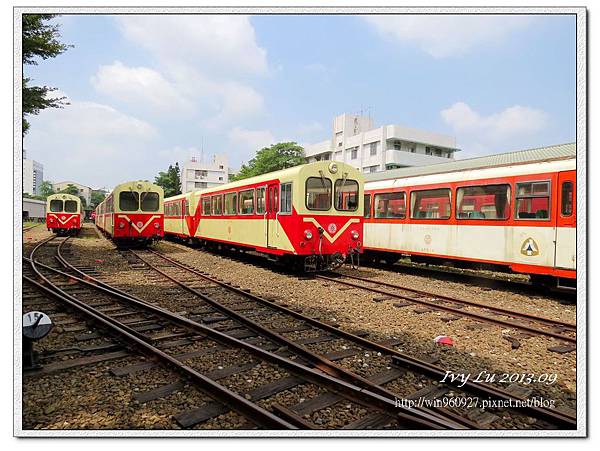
(64, 214)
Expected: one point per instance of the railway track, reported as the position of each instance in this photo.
(513, 319)
(145, 326)
(228, 304)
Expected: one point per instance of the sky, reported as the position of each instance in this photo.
(146, 91)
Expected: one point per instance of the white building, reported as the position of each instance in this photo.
(33, 175)
(198, 174)
(84, 191)
(357, 142)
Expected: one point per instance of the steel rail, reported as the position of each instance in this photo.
(459, 312)
(255, 413)
(507, 312)
(345, 389)
(430, 369)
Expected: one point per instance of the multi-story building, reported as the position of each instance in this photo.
(84, 191)
(197, 174)
(357, 142)
(33, 175)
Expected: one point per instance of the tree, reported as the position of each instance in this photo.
(40, 40)
(273, 158)
(97, 198)
(46, 189)
(70, 189)
(170, 181)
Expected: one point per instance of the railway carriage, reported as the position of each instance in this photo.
(132, 213)
(513, 212)
(64, 214)
(309, 215)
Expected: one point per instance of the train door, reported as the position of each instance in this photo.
(566, 239)
(271, 214)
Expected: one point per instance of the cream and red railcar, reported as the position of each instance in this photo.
(132, 213)
(308, 215)
(64, 214)
(514, 212)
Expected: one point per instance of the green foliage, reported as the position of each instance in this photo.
(273, 158)
(46, 189)
(170, 181)
(31, 196)
(70, 189)
(40, 40)
(97, 197)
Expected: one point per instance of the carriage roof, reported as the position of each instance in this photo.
(63, 196)
(136, 185)
(538, 155)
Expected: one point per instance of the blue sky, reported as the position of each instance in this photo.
(148, 91)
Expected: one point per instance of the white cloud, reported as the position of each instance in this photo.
(444, 36)
(211, 42)
(250, 140)
(91, 143)
(206, 60)
(139, 85)
(505, 128)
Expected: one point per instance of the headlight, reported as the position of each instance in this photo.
(308, 234)
(354, 234)
(156, 225)
(333, 168)
(51, 220)
(121, 225)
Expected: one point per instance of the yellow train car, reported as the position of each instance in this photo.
(132, 213)
(64, 213)
(310, 214)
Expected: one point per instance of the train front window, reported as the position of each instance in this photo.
(390, 205)
(430, 204)
(566, 196)
(533, 200)
(129, 201)
(346, 195)
(71, 206)
(483, 202)
(56, 205)
(150, 201)
(318, 193)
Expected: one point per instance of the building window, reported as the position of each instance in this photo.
(390, 205)
(427, 150)
(373, 149)
(373, 169)
(354, 153)
(483, 202)
(200, 184)
(430, 204)
(340, 144)
(533, 200)
(220, 179)
(200, 174)
(220, 166)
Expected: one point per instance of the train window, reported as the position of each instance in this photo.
(217, 205)
(483, 202)
(71, 206)
(187, 207)
(346, 195)
(533, 200)
(367, 213)
(390, 205)
(566, 199)
(247, 202)
(260, 200)
(286, 198)
(318, 193)
(129, 201)
(231, 203)
(206, 206)
(430, 204)
(150, 201)
(56, 205)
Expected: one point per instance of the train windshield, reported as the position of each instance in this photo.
(150, 201)
(318, 193)
(346, 195)
(56, 205)
(71, 206)
(129, 201)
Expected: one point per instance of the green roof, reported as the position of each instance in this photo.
(557, 152)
